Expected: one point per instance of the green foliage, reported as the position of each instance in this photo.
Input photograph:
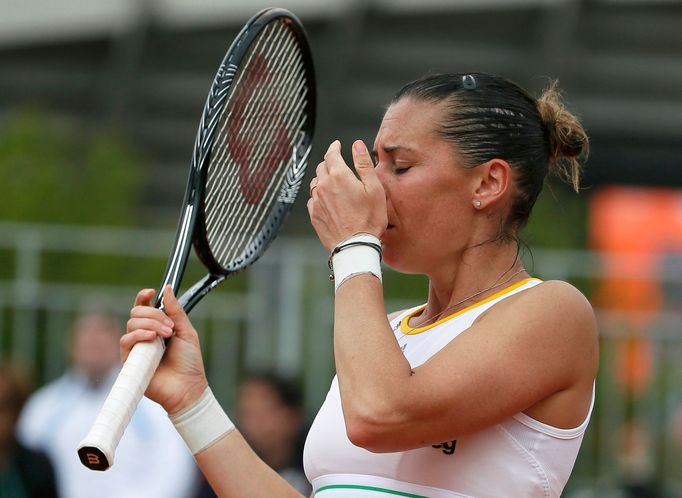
(54, 174)
(558, 220)
(408, 289)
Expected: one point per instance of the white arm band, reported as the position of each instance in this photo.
(350, 258)
(203, 423)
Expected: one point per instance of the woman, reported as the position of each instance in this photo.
(485, 390)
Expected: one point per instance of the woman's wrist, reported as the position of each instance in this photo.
(356, 255)
(190, 397)
(203, 423)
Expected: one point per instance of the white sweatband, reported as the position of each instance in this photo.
(356, 255)
(203, 423)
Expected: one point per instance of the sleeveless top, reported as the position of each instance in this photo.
(517, 458)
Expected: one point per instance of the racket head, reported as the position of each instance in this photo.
(259, 121)
(266, 198)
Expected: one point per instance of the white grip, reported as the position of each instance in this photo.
(97, 450)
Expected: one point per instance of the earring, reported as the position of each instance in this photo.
(477, 203)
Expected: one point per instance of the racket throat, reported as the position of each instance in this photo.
(194, 294)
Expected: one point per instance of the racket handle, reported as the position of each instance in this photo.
(97, 450)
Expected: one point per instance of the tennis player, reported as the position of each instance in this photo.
(484, 391)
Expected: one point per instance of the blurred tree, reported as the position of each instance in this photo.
(68, 174)
(559, 219)
(56, 174)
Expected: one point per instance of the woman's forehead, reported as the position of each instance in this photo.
(408, 123)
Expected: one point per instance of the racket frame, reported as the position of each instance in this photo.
(192, 225)
(96, 451)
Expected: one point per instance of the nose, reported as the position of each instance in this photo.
(381, 172)
(384, 181)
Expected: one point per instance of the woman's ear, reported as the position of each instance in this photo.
(494, 181)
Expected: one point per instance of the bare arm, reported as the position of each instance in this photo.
(365, 346)
(536, 350)
(230, 465)
(234, 470)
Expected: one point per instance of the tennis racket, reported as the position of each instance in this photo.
(249, 160)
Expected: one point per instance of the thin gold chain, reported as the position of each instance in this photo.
(476, 294)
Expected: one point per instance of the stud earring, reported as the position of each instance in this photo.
(477, 203)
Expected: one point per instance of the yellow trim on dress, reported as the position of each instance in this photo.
(407, 330)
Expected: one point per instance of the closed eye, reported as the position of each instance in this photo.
(375, 158)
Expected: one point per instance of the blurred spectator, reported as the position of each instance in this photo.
(151, 460)
(270, 416)
(24, 473)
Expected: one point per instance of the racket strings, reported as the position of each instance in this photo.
(241, 128)
(259, 132)
(235, 114)
(237, 153)
(252, 223)
(216, 174)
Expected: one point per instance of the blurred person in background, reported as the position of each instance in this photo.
(151, 460)
(24, 473)
(271, 418)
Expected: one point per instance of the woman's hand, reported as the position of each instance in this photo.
(180, 378)
(342, 205)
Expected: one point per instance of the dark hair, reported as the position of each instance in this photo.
(491, 117)
(286, 388)
(16, 383)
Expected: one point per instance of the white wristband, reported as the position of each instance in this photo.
(356, 259)
(203, 423)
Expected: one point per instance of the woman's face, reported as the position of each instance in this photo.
(429, 193)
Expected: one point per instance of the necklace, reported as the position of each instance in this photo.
(468, 298)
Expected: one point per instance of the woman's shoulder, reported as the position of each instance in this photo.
(537, 290)
(552, 319)
(554, 303)
(550, 304)
(560, 295)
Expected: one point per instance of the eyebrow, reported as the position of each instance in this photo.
(390, 149)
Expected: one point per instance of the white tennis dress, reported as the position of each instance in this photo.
(517, 458)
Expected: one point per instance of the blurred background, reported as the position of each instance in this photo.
(99, 104)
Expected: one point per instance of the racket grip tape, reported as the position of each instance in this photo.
(97, 450)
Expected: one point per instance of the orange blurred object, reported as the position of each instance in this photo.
(634, 228)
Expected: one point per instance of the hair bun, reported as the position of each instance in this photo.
(568, 142)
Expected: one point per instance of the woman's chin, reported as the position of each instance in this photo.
(395, 263)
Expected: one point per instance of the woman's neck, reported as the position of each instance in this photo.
(478, 272)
